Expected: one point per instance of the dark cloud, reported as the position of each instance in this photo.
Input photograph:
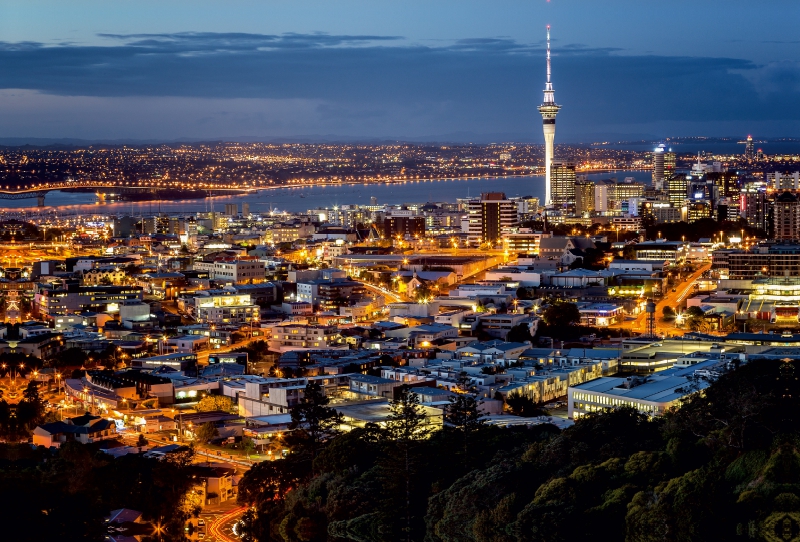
(481, 84)
(237, 41)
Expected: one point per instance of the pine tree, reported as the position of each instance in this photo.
(407, 426)
(315, 422)
(462, 415)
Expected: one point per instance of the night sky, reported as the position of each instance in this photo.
(423, 70)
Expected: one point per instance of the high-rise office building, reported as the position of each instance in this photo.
(786, 217)
(584, 197)
(677, 189)
(602, 191)
(562, 178)
(549, 109)
(663, 165)
(624, 191)
(727, 183)
(490, 216)
(753, 201)
(749, 149)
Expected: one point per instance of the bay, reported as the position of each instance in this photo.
(303, 198)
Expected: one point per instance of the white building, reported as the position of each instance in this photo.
(652, 395)
(235, 271)
(227, 308)
(187, 344)
(305, 337)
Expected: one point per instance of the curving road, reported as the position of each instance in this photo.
(220, 528)
(672, 299)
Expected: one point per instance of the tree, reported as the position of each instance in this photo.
(213, 403)
(207, 432)
(71, 357)
(520, 333)
(31, 393)
(463, 416)
(522, 405)
(562, 314)
(314, 421)
(141, 442)
(694, 312)
(31, 409)
(266, 482)
(422, 292)
(248, 446)
(668, 313)
(406, 427)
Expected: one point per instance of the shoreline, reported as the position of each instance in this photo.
(426, 179)
(117, 208)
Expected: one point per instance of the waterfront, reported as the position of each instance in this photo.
(302, 198)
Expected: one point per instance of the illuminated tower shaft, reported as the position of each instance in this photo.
(549, 110)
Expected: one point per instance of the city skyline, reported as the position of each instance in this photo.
(361, 71)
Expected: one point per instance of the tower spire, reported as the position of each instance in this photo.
(549, 97)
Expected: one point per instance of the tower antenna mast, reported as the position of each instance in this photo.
(549, 86)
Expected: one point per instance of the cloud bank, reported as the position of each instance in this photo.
(195, 84)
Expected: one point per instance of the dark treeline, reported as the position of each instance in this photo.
(726, 466)
(65, 495)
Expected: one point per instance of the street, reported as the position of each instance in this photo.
(672, 299)
(221, 523)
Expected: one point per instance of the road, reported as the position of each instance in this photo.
(672, 299)
(202, 356)
(220, 525)
(201, 455)
(391, 297)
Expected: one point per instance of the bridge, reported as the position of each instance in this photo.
(38, 191)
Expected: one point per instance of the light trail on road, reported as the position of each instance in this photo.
(216, 527)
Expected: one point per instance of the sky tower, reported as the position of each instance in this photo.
(549, 110)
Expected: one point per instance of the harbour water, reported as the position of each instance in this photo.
(297, 199)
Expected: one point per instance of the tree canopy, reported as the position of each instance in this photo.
(723, 465)
(561, 314)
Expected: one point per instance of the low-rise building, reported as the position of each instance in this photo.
(601, 314)
(247, 271)
(652, 395)
(85, 429)
(498, 325)
(224, 307)
(289, 337)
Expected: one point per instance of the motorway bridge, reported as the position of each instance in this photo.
(39, 190)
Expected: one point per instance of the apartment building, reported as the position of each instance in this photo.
(305, 337)
(234, 271)
(218, 307)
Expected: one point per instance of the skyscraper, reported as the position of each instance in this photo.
(677, 189)
(754, 202)
(749, 152)
(584, 197)
(549, 110)
(563, 189)
(786, 217)
(663, 166)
